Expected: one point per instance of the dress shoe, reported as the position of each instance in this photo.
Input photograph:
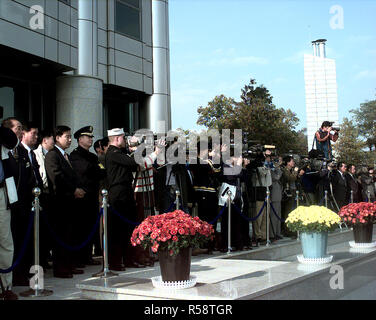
(147, 262)
(120, 267)
(77, 271)
(92, 262)
(134, 264)
(21, 282)
(79, 265)
(9, 295)
(63, 275)
(278, 237)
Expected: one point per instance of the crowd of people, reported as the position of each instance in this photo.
(71, 196)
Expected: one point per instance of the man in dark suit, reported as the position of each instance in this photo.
(352, 184)
(24, 168)
(339, 184)
(89, 173)
(64, 189)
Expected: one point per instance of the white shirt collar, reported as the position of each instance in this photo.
(61, 150)
(26, 147)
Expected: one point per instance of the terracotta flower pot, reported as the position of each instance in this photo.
(363, 232)
(175, 268)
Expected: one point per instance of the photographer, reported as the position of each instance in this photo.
(261, 181)
(275, 196)
(290, 174)
(323, 137)
(367, 182)
(324, 181)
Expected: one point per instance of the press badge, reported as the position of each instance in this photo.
(11, 189)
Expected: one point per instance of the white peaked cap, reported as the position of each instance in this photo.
(115, 132)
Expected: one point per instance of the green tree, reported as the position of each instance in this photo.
(365, 117)
(349, 147)
(257, 116)
(217, 114)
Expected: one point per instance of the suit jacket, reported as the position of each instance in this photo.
(339, 184)
(62, 180)
(352, 184)
(18, 165)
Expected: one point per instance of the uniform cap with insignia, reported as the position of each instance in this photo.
(115, 132)
(85, 131)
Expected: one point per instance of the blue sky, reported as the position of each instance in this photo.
(216, 46)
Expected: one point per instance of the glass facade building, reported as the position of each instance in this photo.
(103, 63)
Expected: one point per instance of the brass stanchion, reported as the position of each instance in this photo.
(106, 273)
(369, 195)
(351, 196)
(37, 281)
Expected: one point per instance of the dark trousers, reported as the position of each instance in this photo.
(63, 220)
(20, 219)
(120, 232)
(87, 210)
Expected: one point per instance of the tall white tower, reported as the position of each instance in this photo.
(320, 88)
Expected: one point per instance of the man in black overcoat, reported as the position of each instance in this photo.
(339, 184)
(89, 173)
(352, 184)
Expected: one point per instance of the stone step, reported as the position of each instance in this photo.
(265, 273)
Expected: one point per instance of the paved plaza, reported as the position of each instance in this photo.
(265, 273)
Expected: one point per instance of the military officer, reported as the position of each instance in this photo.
(89, 172)
(119, 167)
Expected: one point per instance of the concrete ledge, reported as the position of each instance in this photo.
(233, 277)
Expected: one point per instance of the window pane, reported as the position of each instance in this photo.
(127, 20)
(134, 3)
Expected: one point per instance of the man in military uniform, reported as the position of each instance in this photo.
(86, 166)
(119, 167)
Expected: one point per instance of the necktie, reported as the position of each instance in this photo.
(34, 165)
(66, 158)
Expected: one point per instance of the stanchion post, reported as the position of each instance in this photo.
(297, 205)
(351, 196)
(229, 222)
(326, 198)
(106, 273)
(177, 199)
(36, 291)
(267, 217)
(369, 195)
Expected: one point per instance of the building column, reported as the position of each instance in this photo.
(79, 103)
(159, 104)
(87, 38)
